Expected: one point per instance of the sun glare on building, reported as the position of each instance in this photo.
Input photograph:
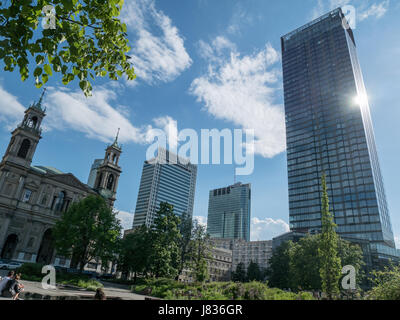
(361, 99)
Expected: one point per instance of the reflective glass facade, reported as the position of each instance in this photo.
(229, 212)
(329, 129)
(165, 181)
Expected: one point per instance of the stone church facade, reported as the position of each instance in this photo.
(33, 198)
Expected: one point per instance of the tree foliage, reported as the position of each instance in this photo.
(88, 230)
(330, 264)
(278, 272)
(305, 264)
(200, 252)
(135, 252)
(186, 230)
(254, 272)
(386, 284)
(297, 266)
(88, 40)
(166, 237)
(239, 275)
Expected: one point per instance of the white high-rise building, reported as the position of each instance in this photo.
(165, 178)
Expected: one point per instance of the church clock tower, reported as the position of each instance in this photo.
(108, 172)
(25, 137)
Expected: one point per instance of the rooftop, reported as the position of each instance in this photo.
(310, 24)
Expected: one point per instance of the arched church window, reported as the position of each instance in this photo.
(100, 180)
(114, 158)
(44, 200)
(33, 122)
(30, 242)
(60, 201)
(23, 150)
(110, 182)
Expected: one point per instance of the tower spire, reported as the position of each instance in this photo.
(115, 144)
(116, 138)
(39, 104)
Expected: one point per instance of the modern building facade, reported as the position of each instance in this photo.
(329, 130)
(229, 212)
(247, 251)
(33, 198)
(93, 172)
(165, 178)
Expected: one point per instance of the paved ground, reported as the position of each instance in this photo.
(112, 291)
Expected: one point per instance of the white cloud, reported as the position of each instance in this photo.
(158, 51)
(214, 51)
(239, 18)
(266, 229)
(375, 10)
(94, 116)
(126, 219)
(201, 220)
(11, 110)
(363, 9)
(242, 90)
(338, 3)
(318, 10)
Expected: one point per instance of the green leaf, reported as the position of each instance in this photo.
(47, 69)
(39, 59)
(38, 71)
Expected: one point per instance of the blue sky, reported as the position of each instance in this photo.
(207, 64)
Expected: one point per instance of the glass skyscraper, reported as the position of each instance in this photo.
(165, 178)
(229, 212)
(329, 129)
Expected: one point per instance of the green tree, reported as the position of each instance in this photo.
(166, 238)
(305, 264)
(386, 284)
(201, 249)
(254, 272)
(88, 230)
(88, 40)
(239, 275)
(297, 265)
(330, 265)
(186, 229)
(278, 272)
(135, 252)
(351, 254)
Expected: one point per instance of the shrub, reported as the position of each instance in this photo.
(386, 284)
(31, 270)
(174, 290)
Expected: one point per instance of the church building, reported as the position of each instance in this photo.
(33, 198)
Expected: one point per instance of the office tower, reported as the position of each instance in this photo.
(229, 212)
(329, 129)
(93, 172)
(165, 178)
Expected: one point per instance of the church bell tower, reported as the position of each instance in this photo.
(108, 172)
(25, 138)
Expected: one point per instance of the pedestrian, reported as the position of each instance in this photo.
(15, 287)
(100, 295)
(4, 282)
